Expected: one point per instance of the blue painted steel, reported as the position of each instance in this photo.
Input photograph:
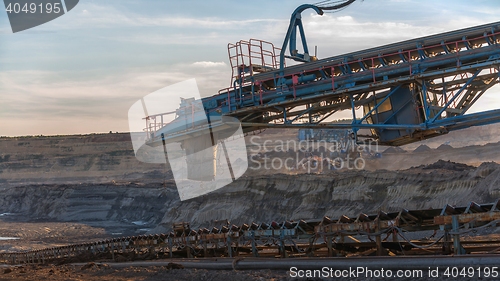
(291, 35)
(344, 82)
(374, 109)
(454, 97)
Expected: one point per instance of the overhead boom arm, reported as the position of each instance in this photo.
(296, 23)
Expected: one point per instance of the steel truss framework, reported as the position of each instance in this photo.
(446, 74)
(326, 237)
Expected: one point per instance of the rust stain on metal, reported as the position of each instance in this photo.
(467, 218)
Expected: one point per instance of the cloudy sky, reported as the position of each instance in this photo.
(81, 72)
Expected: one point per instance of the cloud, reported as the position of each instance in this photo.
(108, 16)
(348, 33)
(98, 104)
(209, 63)
(150, 52)
(202, 23)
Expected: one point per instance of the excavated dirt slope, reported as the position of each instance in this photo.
(92, 186)
(126, 209)
(92, 158)
(71, 189)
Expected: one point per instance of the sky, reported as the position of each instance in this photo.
(81, 72)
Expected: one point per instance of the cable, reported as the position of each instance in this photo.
(474, 228)
(400, 233)
(336, 11)
(337, 6)
(327, 3)
(329, 6)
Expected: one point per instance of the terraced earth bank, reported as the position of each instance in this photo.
(59, 190)
(129, 209)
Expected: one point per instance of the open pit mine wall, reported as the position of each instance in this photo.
(96, 158)
(259, 199)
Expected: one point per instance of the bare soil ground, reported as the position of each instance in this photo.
(104, 272)
(98, 272)
(39, 235)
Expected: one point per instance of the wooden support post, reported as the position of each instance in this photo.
(216, 247)
(329, 245)
(457, 246)
(229, 249)
(170, 247)
(254, 246)
(205, 252)
(378, 239)
(282, 245)
(446, 242)
(311, 246)
(237, 253)
(283, 252)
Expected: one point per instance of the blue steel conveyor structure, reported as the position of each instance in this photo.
(409, 91)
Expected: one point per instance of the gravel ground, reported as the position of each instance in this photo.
(104, 272)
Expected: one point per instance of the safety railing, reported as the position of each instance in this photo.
(407, 57)
(253, 56)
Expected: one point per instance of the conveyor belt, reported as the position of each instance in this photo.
(324, 237)
(432, 82)
(394, 50)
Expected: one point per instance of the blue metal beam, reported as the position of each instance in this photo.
(455, 96)
(379, 104)
(291, 34)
